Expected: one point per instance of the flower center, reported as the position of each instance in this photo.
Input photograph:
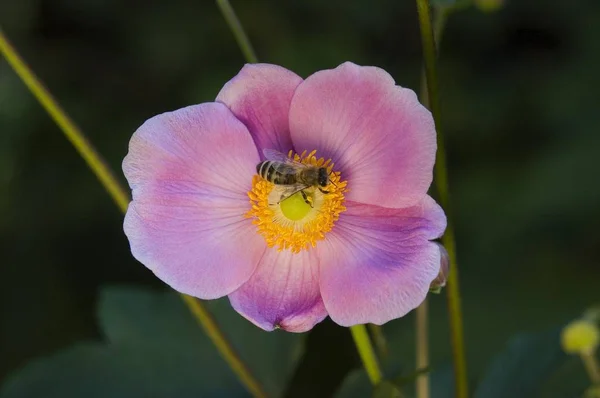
(297, 221)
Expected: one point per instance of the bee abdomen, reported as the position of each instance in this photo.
(265, 169)
(259, 168)
(274, 172)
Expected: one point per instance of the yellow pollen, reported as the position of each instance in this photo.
(293, 224)
(295, 207)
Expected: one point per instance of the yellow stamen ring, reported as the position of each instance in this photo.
(293, 224)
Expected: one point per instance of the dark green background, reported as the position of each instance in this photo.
(521, 118)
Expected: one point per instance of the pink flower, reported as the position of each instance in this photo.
(206, 224)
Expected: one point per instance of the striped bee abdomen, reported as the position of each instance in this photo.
(278, 173)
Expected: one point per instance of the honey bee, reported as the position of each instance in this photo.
(293, 176)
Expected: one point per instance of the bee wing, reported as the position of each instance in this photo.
(290, 190)
(272, 154)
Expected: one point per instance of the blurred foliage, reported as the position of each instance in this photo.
(519, 97)
(531, 365)
(154, 348)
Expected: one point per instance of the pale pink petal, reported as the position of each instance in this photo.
(260, 96)
(379, 136)
(190, 171)
(283, 292)
(377, 263)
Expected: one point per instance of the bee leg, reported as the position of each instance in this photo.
(323, 191)
(305, 197)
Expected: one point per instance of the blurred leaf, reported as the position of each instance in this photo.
(520, 370)
(443, 3)
(139, 316)
(358, 385)
(386, 389)
(94, 370)
(450, 3)
(410, 378)
(156, 346)
(569, 381)
(355, 385)
(441, 382)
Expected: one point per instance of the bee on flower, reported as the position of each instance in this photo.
(295, 177)
(297, 199)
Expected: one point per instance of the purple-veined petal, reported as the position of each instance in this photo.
(260, 96)
(373, 130)
(190, 171)
(377, 263)
(283, 292)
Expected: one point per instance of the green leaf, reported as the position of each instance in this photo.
(521, 369)
(569, 381)
(138, 316)
(410, 378)
(443, 3)
(95, 370)
(155, 348)
(386, 389)
(450, 3)
(441, 382)
(355, 385)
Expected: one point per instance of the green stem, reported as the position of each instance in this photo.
(441, 179)
(238, 31)
(359, 332)
(422, 360)
(73, 134)
(379, 340)
(121, 198)
(211, 327)
(366, 352)
(422, 335)
(591, 367)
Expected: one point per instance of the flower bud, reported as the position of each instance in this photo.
(580, 337)
(440, 281)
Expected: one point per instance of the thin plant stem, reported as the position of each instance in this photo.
(238, 31)
(366, 352)
(121, 198)
(379, 340)
(73, 134)
(590, 362)
(211, 327)
(441, 179)
(422, 334)
(359, 332)
(422, 362)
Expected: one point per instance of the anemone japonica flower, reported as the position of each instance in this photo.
(358, 250)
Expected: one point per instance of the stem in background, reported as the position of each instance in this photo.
(422, 334)
(591, 367)
(359, 332)
(422, 380)
(366, 352)
(441, 179)
(121, 198)
(211, 327)
(238, 31)
(73, 134)
(379, 339)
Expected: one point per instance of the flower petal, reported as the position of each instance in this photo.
(190, 171)
(260, 96)
(373, 130)
(377, 263)
(283, 292)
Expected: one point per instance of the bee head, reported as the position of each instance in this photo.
(323, 177)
